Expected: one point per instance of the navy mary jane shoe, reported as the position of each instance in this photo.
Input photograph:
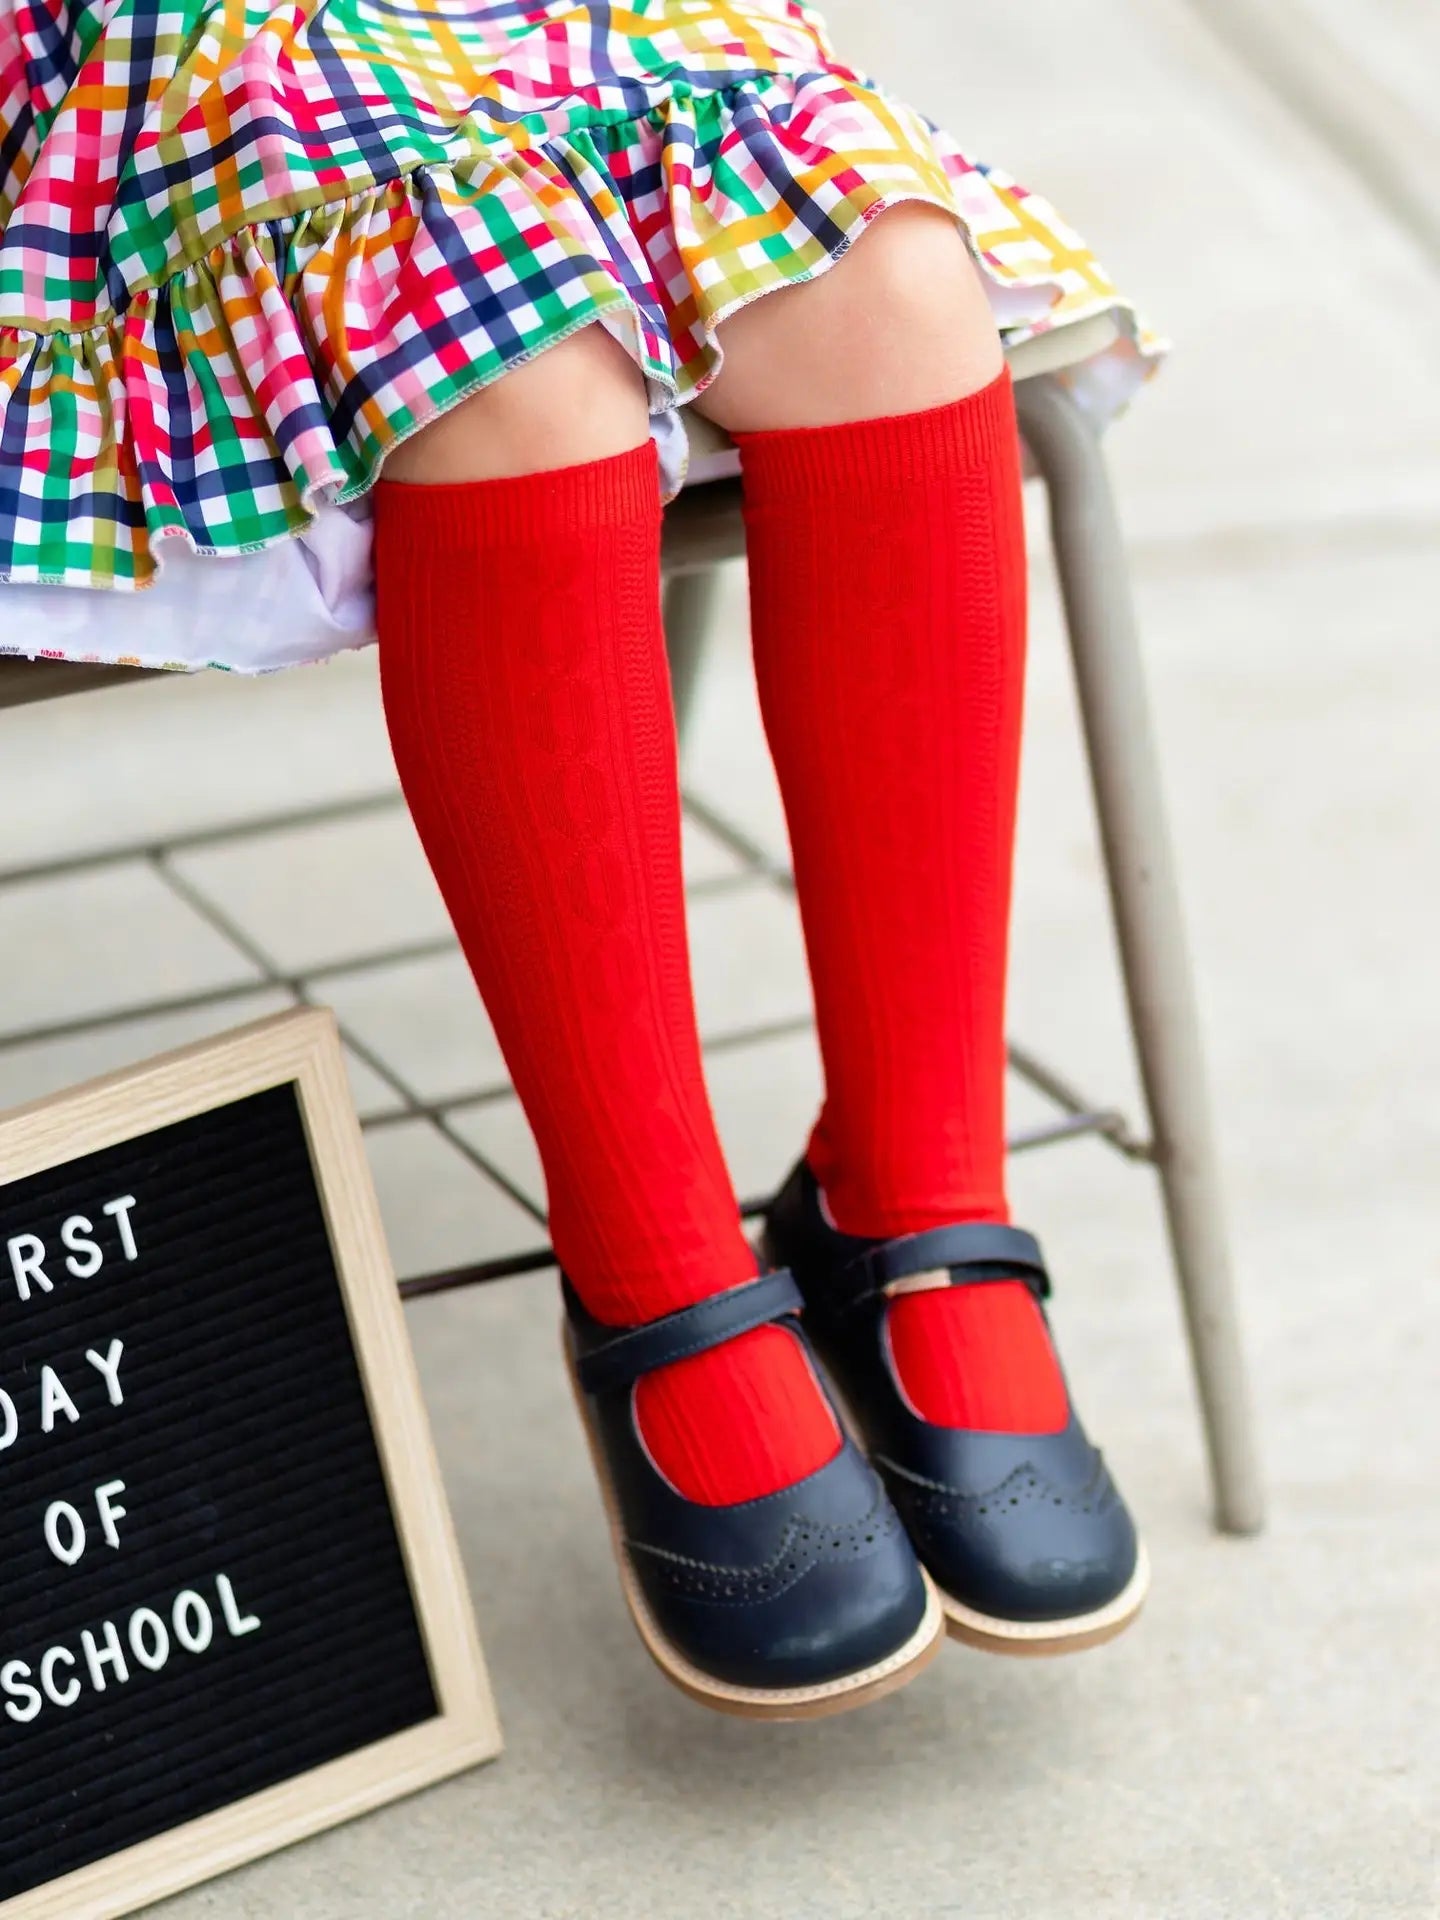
(803, 1603)
(1026, 1535)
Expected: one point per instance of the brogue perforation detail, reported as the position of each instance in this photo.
(806, 1544)
(928, 1505)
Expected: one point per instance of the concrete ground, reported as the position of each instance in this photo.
(1263, 1743)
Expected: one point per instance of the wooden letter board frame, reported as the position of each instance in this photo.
(300, 1048)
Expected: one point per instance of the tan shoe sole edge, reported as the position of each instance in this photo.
(1038, 1638)
(759, 1703)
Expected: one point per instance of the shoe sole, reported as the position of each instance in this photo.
(1035, 1639)
(759, 1703)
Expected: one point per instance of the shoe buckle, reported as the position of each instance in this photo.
(929, 1282)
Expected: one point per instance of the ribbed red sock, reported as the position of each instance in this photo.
(525, 686)
(887, 566)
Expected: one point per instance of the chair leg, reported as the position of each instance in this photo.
(689, 610)
(1145, 902)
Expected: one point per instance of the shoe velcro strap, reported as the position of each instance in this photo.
(960, 1256)
(621, 1360)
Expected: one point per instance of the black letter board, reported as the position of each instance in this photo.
(231, 1606)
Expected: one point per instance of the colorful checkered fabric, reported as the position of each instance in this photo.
(246, 247)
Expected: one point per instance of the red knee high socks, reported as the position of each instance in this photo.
(887, 567)
(525, 686)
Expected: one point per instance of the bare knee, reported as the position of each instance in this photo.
(583, 399)
(901, 322)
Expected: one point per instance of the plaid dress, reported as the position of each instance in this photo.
(247, 247)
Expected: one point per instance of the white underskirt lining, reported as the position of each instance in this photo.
(298, 601)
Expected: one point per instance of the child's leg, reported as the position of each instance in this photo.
(887, 566)
(524, 677)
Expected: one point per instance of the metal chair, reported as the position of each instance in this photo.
(703, 528)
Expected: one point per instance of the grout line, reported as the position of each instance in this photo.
(300, 985)
(431, 948)
(369, 1058)
(260, 827)
(322, 814)
(782, 1029)
(217, 920)
(486, 1166)
(1081, 1117)
(123, 1016)
(756, 859)
(226, 927)
(437, 1110)
(293, 984)
(721, 884)
(465, 1101)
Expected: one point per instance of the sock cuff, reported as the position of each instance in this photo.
(893, 450)
(527, 508)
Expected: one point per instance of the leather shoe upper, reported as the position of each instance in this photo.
(1023, 1527)
(798, 1588)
